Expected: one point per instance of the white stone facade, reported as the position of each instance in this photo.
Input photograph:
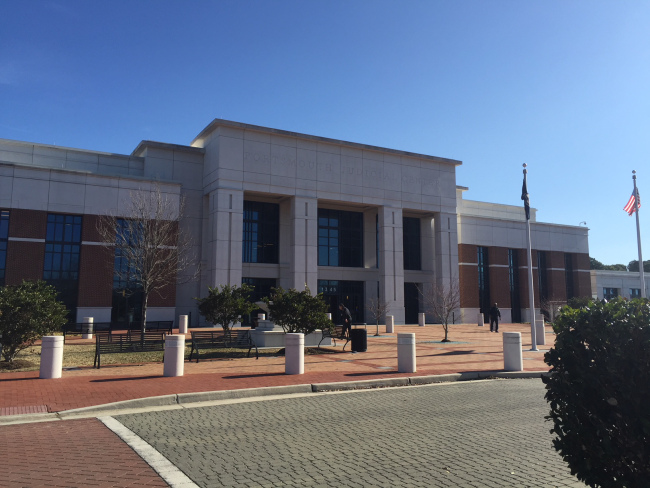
(229, 163)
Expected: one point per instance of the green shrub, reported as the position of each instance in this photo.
(27, 312)
(599, 392)
(226, 304)
(298, 311)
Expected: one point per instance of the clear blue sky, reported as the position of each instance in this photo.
(563, 86)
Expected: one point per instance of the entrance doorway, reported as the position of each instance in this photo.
(411, 303)
(349, 293)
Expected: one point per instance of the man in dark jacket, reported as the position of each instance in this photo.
(346, 318)
(495, 315)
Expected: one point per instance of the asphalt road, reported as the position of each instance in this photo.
(467, 434)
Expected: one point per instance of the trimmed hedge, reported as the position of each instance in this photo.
(599, 392)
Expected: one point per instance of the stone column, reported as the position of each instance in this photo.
(87, 328)
(512, 355)
(406, 353)
(446, 248)
(51, 357)
(226, 221)
(422, 319)
(390, 324)
(540, 332)
(174, 355)
(481, 319)
(294, 353)
(303, 260)
(391, 260)
(182, 324)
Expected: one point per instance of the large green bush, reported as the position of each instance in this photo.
(599, 392)
(226, 304)
(27, 312)
(298, 311)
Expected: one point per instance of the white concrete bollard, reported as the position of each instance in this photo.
(390, 324)
(174, 355)
(512, 355)
(294, 353)
(540, 332)
(261, 316)
(89, 333)
(421, 319)
(51, 357)
(481, 320)
(406, 353)
(182, 324)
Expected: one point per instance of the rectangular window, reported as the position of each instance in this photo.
(513, 275)
(542, 275)
(261, 232)
(127, 289)
(483, 279)
(568, 276)
(635, 292)
(261, 289)
(4, 236)
(609, 293)
(62, 252)
(411, 242)
(340, 238)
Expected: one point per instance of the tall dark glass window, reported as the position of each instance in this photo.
(62, 250)
(340, 238)
(513, 274)
(483, 280)
(542, 275)
(261, 232)
(411, 241)
(127, 290)
(568, 276)
(261, 288)
(4, 236)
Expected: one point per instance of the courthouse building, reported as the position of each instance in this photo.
(275, 208)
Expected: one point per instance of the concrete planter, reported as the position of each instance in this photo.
(275, 338)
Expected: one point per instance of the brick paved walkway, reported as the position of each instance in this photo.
(474, 349)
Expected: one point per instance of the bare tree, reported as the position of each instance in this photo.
(149, 249)
(377, 308)
(441, 301)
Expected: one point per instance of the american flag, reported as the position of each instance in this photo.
(633, 203)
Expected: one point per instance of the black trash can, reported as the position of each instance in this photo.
(359, 339)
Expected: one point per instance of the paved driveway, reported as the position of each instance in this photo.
(472, 434)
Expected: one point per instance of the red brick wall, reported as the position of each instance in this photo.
(581, 276)
(468, 276)
(499, 276)
(31, 224)
(95, 276)
(24, 261)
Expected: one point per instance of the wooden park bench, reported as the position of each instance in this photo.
(219, 339)
(133, 341)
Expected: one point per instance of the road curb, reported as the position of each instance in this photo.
(184, 399)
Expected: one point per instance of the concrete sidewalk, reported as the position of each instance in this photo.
(474, 350)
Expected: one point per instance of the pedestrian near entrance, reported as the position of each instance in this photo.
(346, 318)
(495, 315)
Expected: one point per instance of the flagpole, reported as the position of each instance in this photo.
(531, 290)
(638, 236)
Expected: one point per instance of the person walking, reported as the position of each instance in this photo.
(346, 318)
(495, 315)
